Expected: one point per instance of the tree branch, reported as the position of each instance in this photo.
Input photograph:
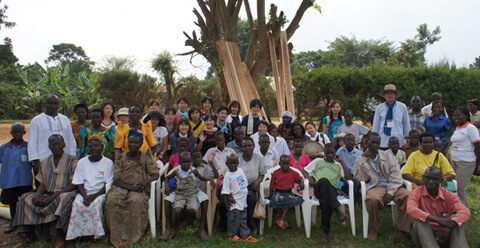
(252, 49)
(251, 24)
(298, 16)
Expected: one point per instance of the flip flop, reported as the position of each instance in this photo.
(281, 224)
(345, 218)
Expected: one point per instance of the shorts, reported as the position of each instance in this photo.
(11, 195)
(190, 202)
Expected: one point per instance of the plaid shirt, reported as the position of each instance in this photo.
(416, 120)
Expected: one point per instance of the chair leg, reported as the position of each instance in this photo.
(314, 215)
(270, 216)
(163, 217)
(262, 226)
(151, 211)
(351, 209)
(209, 217)
(298, 217)
(365, 219)
(394, 214)
(307, 218)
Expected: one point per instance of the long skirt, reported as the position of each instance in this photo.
(86, 221)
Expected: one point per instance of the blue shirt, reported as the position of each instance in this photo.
(400, 124)
(16, 169)
(333, 127)
(349, 158)
(438, 127)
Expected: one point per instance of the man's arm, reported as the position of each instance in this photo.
(376, 121)
(412, 179)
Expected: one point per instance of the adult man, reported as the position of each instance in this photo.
(391, 117)
(415, 115)
(43, 126)
(439, 215)
(381, 173)
(419, 161)
(427, 110)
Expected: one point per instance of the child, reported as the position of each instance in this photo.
(281, 186)
(298, 160)
(280, 143)
(183, 145)
(412, 143)
(159, 131)
(16, 174)
(438, 146)
(182, 104)
(324, 175)
(268, 152)
(235, 193)
(352, 127)
(187, 194)
(393, 145)
(219, 152)
(236, 143)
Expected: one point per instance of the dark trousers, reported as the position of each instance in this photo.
(251, 202)
(237, 224)
(327, 195)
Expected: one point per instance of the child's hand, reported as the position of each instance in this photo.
(167, 190)
(311, 181)
(212, 183)
(211, 157)
(301, 186)
(338, 158)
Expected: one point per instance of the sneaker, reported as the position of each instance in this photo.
(251, 239)
(10, 229)
(235, 238)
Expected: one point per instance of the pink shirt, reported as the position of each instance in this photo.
(174, 160)
(304, 161)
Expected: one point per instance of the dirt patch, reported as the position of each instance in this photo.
(10, 239)
(5, 133)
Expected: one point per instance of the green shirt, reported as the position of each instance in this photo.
(320, 168)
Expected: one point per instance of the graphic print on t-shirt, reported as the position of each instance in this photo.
(242, 183)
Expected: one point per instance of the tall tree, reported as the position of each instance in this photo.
(219, 19)
(3, 17)
(6, 53)
(476, 64)
(165, 65)
(69, 54)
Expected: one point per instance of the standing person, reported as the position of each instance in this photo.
(171, 125)
(182, 104)
(223, 125)
(415, 114)
(45, 125)
(352, 127)
(16, 174)
(108, 115)
(206, 138)
(81, 111)
(123, 116)
(412, 144)
(438, 124)
(159, 131)
(324, 175)
(126, 206)
(427, 110)
(108, 135)
(90, 177)
(251, 121)
(465, 151)
(207, 106)
(153, 105)
(297, 132)
(316, 136)
(334, 120)
(438, 215)
(391, 117)
(235, 192)
(51, 204)
(280, 142)
(472, 106)
(234, 118)
(286, 121)
(196, 121)
(184, 130)
(384, 183)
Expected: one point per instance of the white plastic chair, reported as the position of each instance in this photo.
(309, 207)
(268, 177)
(158, 193)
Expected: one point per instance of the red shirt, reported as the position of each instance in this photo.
(284, 180)
(421, 205)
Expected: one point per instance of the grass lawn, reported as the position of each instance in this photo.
(275, 237)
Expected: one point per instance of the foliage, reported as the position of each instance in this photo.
(476, 64)
(69, 54)
(112, 63)
(6, 53)
(196, 89)
(3, 22)
(165, 65)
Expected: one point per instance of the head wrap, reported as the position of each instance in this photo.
(136, 133)
(96, 137)
(287, 113)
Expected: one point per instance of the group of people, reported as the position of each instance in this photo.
(90, 175)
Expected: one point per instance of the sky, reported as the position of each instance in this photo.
(141, 29)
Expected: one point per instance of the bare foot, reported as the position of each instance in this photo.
(167, 235)
(372, 235)
(203, 235)
(324, 239)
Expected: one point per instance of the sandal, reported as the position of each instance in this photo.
(282, 224)
(342, 220)
(324, 239)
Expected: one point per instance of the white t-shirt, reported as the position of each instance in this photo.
(220, 156)
(93, 175)
(282, 147)
(253, 168)
(159, 133)
(235, 183)
(462, 143)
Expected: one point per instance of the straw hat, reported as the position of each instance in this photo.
(312, 148)
(390, 87)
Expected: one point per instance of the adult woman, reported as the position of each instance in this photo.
(182, 104)
(207, 105)
(153, 105)
(332, 122)
(234, 118)
(262, 129)
(108, 114)
(286, 121)
(297, 132)
(91, 175)
(81, 111)
(196, 121)
(206, 139)
(465, 151)
(108, 135)
(250, 122)
(126, 207)
(121, 137)
(159, 131)
(123, 116)
(280, 142)
(437, 123)
(183, 130)
(223, 125)
(314, 135)
(170, 125)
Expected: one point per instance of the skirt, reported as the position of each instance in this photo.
(284, 199)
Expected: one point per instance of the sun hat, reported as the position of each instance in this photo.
(122, 111)
(390, 87)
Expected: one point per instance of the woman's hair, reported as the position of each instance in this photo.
(272, 127)
(113, 108)
(256, 102)
(161, 119)
(263, 122)
(437, 102)
(153, 101)
(207, 98)
(170, 110)
(186, 122)
(297, 124)
(221, 108)
(332, 104)
(233, 104)
(81, 105)
(182, 98)
(97, 110)
(135, 106)
(464, 110)
(193, 109)
(209, 116)
(310, 123)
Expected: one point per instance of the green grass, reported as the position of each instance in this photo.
(13, 121)
(274, 237)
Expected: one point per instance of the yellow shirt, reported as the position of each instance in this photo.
(200, 127)
(418, 162)
(121, 137)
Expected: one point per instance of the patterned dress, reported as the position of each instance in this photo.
(54, 179)
(78, 130)
(108, 140)
(126, 212)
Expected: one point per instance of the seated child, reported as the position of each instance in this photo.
(280, 143)
(235, 193)
(16, 174)
(324, 175)
(393, 145)
(412, 143)
(187, 194)
(281, 185)
(183, 145)
(298, 160)
(438, 146)
(268, 152)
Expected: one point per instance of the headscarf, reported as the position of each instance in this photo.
(136, 133)
(96, 137)
(287, 113)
